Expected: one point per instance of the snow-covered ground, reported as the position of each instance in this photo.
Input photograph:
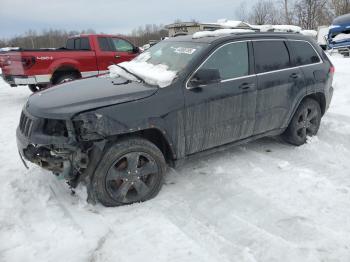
(264, 201)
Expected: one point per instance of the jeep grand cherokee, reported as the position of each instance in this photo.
(118, 135)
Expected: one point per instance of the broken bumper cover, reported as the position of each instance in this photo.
(43, 155)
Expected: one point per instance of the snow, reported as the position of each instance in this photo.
(158, 75)
(312, 33)
(220, 32)
(278, 28)
(4, 49)
(341, 37)
(263, 201)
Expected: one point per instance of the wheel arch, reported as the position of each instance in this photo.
(318, 97)
(156, 137)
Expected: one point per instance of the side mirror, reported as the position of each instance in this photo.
(205, 77)
(136, 49)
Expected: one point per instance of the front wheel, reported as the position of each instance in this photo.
(305, 122)
(130, 171)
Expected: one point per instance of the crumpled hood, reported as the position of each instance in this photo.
(66, 100)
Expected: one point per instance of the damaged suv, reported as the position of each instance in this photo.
(182, 97)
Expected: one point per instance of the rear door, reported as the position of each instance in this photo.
(223, 112)
(279, 84)
(113, 51)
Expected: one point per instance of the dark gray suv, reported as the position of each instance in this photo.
(118, 135)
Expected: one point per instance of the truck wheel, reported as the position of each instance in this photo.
(65, 78)
(305, 122)
(130, 171)
(37, 88)
(33, 88)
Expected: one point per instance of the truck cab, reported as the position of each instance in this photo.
(83, 56)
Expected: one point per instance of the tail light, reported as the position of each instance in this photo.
(332, 69)
(27, 61)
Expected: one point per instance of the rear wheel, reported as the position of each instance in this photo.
(130, 171)
(305, 122)
(66, 77)
(33, 88)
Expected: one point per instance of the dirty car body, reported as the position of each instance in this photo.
(68, 128)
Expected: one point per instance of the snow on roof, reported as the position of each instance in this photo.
(220, 32)
(277, 28)
(341, 37)
(152, 74)
(311, 33)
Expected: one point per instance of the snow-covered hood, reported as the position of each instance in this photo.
(66, 100)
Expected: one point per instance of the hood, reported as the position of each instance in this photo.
(65, 100)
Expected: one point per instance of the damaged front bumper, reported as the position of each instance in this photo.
(55, 150)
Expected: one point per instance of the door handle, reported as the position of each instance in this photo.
(294, 75)
(246, 86)
(117, 56)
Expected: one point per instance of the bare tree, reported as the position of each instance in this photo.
(340, 7)
(265, 12)
(241, 12)
(310, 13)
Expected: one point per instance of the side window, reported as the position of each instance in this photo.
(270, 56)
(70, 44)
(77, 43)
(303, 53)
(121, 45)
(104, 44)
(231, 60)
(84, 43)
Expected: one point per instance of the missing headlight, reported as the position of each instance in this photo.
(53, 127)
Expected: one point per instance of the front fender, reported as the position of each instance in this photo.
(92, 126)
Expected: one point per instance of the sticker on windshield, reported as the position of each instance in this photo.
(184, 50)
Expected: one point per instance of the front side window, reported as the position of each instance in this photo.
(103, 43)
(270, 56)
(120, 45)
(303, 53)
(231, 60)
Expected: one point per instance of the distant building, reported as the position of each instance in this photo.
(189, 28)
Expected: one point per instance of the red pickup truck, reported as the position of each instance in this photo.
(83, 56)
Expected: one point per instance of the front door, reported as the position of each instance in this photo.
(114, 51)
(223, 112)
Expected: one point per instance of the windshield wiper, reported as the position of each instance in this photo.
(136, 76)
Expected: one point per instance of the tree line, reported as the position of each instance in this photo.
(308, 14)
(57, 38)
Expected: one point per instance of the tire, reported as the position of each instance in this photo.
(67, 77)
(37, 88)
(130, 171)
(34, 88)
(305, 122)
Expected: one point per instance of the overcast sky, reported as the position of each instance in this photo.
(109, 16)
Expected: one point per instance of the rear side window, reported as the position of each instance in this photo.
(77, 43)
(270, 56)
(303, 53)
(84, 43)
(70, 44)
(231, 60)
(104, 44)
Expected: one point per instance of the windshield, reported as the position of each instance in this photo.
(160, 64)
(175, 55)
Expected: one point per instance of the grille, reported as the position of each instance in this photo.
(25, 124)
